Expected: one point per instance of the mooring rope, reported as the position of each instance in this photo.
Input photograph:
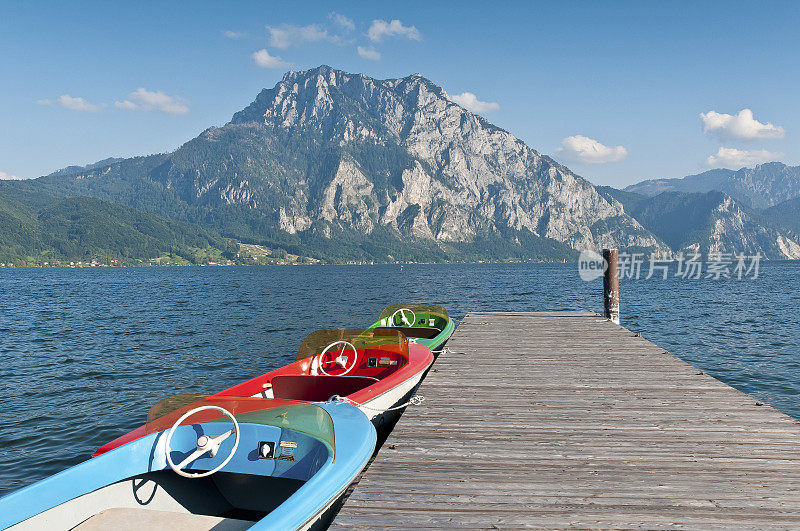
(414, 401)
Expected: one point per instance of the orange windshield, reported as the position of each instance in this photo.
(421, 314)
(378, 341)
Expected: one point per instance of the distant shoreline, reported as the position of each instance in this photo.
(148, 265)
(318, 263)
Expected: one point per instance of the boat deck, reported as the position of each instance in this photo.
(563, 419)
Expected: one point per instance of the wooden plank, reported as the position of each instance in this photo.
(564, 420)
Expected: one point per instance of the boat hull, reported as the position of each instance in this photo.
(134, 479)
(377, 399)
(386, 409)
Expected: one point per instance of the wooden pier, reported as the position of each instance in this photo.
(563, 419)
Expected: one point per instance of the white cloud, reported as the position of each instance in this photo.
(263, 59)
(76, 104)
(579, 148)
(287, 35)
(234, 34)
(44, 102)
(470, 101)
(738, 158)
(380, 29)
(342, 21)
(145, 100)
(125, 104)
(8, 177)
(369, 53)
(742, 125)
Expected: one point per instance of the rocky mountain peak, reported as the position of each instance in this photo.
(324, 91)
(326, 152)
(458, 175)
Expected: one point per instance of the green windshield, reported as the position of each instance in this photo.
(370, 340)
(428, 315)
(288, 414)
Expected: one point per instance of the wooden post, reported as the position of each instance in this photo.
(611, 285)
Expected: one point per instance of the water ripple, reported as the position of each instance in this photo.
(86, 352)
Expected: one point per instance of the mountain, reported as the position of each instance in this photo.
(71, 170)
(38, 227)
(786, 215)
(342, 167)
(764, 186)
(707, 222)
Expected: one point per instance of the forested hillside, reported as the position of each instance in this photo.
(38, 227)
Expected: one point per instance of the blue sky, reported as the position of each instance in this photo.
(614, 90)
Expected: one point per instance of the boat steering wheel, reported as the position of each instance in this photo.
(205, 444)
(403, 319)
(341, 359)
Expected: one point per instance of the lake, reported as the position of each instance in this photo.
(86, 352)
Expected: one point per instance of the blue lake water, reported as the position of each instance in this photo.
(85, 352)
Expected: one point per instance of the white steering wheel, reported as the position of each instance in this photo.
(205, 444)
(403, 318)
(341, 359)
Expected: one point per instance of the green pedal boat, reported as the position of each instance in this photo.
(427, 324)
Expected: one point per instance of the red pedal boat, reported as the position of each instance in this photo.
(377, 369)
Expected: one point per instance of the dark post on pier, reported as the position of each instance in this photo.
(611, 285)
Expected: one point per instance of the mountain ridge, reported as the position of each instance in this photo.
(40, 228)
(343, 167)
(762, 186)
(330, 155)
(710, 222)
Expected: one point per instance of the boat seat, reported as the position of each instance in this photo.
(317, 388)
(417, 332)
(130, 518)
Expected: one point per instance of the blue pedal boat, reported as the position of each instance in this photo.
(210, 462)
